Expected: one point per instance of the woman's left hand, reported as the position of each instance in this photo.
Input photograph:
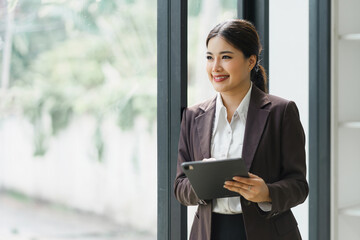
(253, 188)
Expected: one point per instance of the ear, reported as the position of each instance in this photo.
(252, 61)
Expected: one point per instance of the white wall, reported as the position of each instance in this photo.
(289, 69)
(345, 119)
(69, 175)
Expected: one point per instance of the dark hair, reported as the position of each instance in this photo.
(242, 35)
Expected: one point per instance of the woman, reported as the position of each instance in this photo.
(244, 121)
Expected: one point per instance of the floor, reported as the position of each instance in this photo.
(26, 219)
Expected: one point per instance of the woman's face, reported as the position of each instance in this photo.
(228, 69)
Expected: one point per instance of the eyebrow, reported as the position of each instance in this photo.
(223, 52)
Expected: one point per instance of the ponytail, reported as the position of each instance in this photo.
(259, 78)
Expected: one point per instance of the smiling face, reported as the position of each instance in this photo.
(227, 67)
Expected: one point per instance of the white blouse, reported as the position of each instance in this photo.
(227, 142)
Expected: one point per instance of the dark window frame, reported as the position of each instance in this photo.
(257, 12)
(319, 119)
(172, 99)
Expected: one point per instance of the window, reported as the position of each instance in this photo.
(78, 115)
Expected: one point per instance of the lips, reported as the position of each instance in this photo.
(220, 78)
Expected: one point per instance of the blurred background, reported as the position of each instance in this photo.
(78, 110)
(78, 119)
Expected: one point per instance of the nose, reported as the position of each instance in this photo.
(216, 66)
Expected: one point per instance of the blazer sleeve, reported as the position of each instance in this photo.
(183, 190)
(292, 188)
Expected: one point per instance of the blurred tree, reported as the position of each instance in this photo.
(76, 57)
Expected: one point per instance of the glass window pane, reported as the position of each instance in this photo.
(78, 119)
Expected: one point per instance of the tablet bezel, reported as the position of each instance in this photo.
(208, 177)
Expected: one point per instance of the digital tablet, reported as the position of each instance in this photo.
(208, 177)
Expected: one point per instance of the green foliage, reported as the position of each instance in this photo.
(127, 115)
(60, 116)
(229, 4)
(74, 63)
(83, 57)
(194, 7)
(98, 140)
(12, 4)
(130, 109)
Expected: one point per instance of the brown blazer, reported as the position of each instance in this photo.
(273, 149)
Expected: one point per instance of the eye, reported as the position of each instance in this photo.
(208, 57)
(226, 57)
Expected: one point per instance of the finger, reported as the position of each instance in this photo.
(245, 193)
(234, 189)
(253, 175)
(237, 184)
(248, 181)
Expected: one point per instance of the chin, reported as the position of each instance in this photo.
(219, 89)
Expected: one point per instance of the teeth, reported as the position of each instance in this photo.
(221, 77)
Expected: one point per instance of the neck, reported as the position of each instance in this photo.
(232, 100)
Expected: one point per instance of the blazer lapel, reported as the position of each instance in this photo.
(204, 124)
(255, 123)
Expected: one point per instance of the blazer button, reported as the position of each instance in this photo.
(202, 202)
(274, 214)
(246, 202)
